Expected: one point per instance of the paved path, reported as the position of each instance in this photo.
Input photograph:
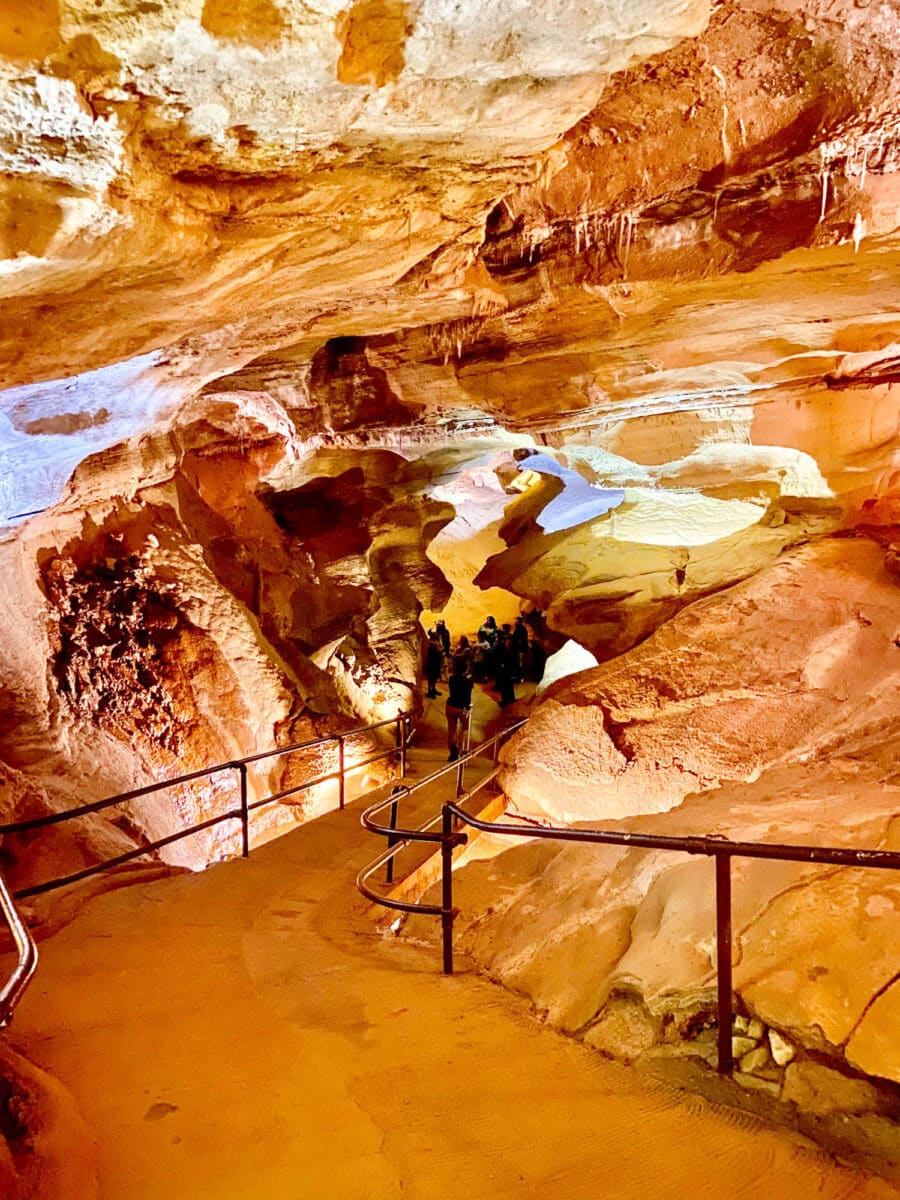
(243, 1035)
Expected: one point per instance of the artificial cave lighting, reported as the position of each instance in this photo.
(414, 405)
(568, 660)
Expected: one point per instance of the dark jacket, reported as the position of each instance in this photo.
(460, 691)
(434, 661)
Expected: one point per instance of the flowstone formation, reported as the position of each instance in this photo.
(318, 320)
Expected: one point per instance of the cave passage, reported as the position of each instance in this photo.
(568, 332)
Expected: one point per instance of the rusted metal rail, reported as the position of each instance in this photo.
(26, 956)
(444, 830)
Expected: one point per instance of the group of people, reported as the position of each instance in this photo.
(502, 655)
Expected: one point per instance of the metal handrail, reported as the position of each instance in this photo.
(367, 817)
(721, 849)
(148, 789)
(402, 724)
(26, 965)
(13, 989)
(399, 839)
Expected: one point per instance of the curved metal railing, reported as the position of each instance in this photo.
(447, 839)
(26, 964)
(721, 849)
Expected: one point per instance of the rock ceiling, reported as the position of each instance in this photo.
(261, 257)
(657, 241)
(402, 214)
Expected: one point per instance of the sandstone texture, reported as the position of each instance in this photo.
(199, 615)
(771, 670)
(320, 320)
(619, 944)
(46, 1148)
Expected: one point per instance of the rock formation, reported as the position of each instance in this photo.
(765, 713)
(198, 614)
(319, 320)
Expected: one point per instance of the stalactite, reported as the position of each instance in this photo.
(450, 338)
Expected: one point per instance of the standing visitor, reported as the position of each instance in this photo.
(488, 631)
(504, 671)
(444, 636)
(481, 657)
(434, 665)
(464, 651)
(520, 645)
(537, 659)
(459, 703)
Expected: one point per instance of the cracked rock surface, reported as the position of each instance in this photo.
(791, 737)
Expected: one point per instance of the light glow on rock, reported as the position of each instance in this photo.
(669, 518)
(579, 501)
(569, 659)
(47, 429)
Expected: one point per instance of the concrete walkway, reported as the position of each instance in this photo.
(243, 1034)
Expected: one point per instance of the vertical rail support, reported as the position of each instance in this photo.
(392, 838)
(245, 811)
(723, 962)
(342, 789)
(402, 735)
(447, 913)
(496, 756)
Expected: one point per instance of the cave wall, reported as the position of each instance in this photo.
(766, 712)
(287, 292)
(193, 614)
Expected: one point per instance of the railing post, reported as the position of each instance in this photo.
(392, 840)
(401, 742)
(447, 913)
(341, 783)
(496, 755)
(245, 811)
(723, 961)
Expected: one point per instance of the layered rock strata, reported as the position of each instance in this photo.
(287, 290)
(787, 734)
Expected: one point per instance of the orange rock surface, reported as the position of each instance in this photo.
(291, 293)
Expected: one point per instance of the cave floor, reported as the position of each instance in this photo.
(244, 1033)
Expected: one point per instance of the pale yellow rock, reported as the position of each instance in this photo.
(685, 711)
(755, 1060)
(873, 1045)
(741, 1047)
(783, 1050)
(818, 1089)
(625, 1029)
